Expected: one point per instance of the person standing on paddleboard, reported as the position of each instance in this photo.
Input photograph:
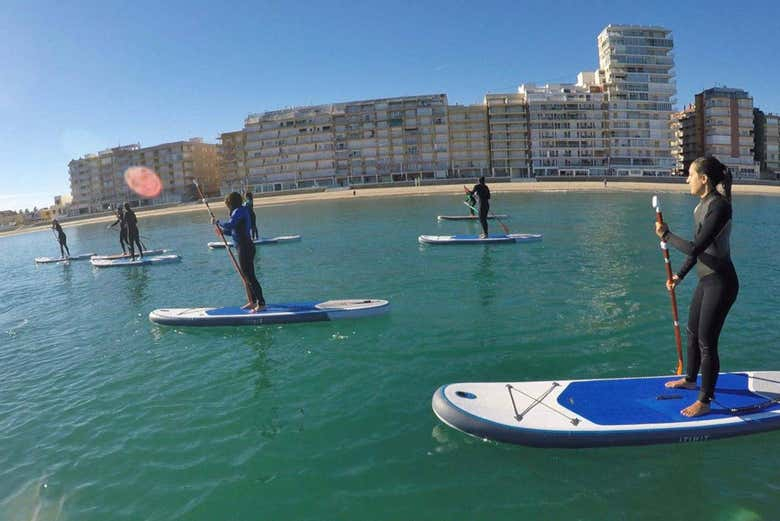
(239, 228)
(133, 236)
(718, 283)
(120, 220)
(483, 194)
(250, 205)
(61, 238)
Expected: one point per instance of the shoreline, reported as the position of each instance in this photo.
(415, 191)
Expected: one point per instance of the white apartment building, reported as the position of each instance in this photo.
(97, 180)
(469, 141)
(636, 71)
(772, 140)
(510, 147)
(569, 128)
(361, 142)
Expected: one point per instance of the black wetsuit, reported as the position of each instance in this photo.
(133, 237)
(120, 220)
(238, 227)
(717, 289)
(483, 194)
(250, 206)
(62, 239)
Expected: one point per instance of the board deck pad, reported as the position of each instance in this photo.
(158, 251)
(606, 412)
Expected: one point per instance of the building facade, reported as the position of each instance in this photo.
(97, 180)
(767, 143)
(636, 71)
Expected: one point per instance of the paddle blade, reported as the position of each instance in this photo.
(655, 202)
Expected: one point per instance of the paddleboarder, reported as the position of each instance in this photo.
(718, 283)
(239, 227)
(133, 236)
(250, 205)
(120, 220)
(482, 192)
(61, 238)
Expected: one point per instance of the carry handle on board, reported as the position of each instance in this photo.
(659, 218)
(494, 216)
(221, 235)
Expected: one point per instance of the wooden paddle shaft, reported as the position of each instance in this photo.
(669, 277)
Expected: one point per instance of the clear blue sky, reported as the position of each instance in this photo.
(79, 77)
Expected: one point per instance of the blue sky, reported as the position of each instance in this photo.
(78, 77)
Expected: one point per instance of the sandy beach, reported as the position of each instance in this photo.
(416, 191)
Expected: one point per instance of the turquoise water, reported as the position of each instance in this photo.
(104, 415)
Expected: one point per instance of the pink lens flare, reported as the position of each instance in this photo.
(143, 181)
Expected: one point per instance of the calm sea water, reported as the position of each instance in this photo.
(104, 415)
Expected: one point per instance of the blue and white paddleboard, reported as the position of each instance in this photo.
(49, 260)
(596, 413)
(261, 240)
(475, 239)
(468, 217)
(273, 314)
(127, 255)
(145, 261)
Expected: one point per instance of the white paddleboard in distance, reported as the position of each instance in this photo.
(272, 314)
(49, 260)
(139, 261)
(159, 251)
(608, 412)
(469, 217)
(261, 240)
(475, 239)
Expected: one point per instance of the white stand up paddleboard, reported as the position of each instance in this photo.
(127, 255)
(475, 239)
(49, 260)
(469, 217)
(622, 411)
(261, 240)
(145, 261)
(272, 314)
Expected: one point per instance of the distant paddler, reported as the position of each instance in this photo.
(239, 226)
(61, 238)
(482, 192)
(120, 220)
(133, 236)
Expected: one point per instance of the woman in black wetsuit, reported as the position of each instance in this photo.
(718, 284)
(482, 192)
(61, 238)
(133, 237)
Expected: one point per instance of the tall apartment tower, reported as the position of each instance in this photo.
(509, 140)
(636, 69)
(469, 141)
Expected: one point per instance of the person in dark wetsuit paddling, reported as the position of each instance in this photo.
(718, 283)
(482, 192)
(250, 204)
(61, 238)
(120, 220)
(239, 227)
(133, 236)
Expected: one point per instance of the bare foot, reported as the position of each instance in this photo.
(682, 383)
(258, 308)
(248, 305)
(697, 408)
